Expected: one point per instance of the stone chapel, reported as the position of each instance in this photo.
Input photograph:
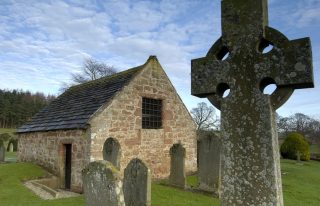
(136, 113)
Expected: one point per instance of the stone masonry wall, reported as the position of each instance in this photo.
(47, 149)
(122, 120)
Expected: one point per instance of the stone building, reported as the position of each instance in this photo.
(134, 113)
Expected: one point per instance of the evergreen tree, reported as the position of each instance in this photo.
(17, 106)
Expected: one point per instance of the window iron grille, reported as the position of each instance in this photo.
(151, 113)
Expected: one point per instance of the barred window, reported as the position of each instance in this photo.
(151, 113)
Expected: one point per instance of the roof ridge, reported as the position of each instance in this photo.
(105, 78)
(65, 113)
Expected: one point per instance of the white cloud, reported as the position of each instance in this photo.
(297, 15)
(41, 43)
(131, 17)
(308, 16)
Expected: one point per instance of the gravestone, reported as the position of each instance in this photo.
(2, 151)
(111, 151)
(102, 184)
(298, 156)
(177, 170)
(137, 184)
(237, 61)
(14, 144)
(10, 147)
(209, 162)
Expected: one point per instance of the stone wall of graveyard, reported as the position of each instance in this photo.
(122, 120)
(47, 150)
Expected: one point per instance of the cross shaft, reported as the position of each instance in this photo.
(250, 159)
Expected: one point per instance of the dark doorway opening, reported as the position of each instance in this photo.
(67, 172)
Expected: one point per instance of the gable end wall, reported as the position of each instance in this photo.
(122, 120)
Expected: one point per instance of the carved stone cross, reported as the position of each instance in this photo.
(250, 163)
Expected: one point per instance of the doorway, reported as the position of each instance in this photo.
(67, 166)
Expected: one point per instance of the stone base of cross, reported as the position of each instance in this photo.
(250, 151)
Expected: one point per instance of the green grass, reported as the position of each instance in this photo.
(13, 193)
(301, 186)
(192, 181)
(301, 183)
(168, 196)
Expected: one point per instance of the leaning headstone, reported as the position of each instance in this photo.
(102, 184)
(238, 61)
(177, 172)
(209, 162)
(2, 151)
(137, 184)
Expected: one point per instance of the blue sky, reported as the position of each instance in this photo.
(43, 42)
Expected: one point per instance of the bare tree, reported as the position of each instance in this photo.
(314, 131)
(283, 124)
(301, 123)
(205, 117)
(91, 70)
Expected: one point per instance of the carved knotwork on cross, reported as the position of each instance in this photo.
(250, 162)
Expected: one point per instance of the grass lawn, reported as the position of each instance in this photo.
(301, 185)
(13, 193)
(168, 196)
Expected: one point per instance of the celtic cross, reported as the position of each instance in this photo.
(250, 155)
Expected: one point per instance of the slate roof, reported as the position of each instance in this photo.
(73, 108)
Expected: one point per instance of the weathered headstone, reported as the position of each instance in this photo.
(209, 162)
(102, 184)
(10, 147)
(251, 167)
(111, 151)
(298, 156)
(2, 151)
(14, 144)
(137, 184)
(177, 172)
